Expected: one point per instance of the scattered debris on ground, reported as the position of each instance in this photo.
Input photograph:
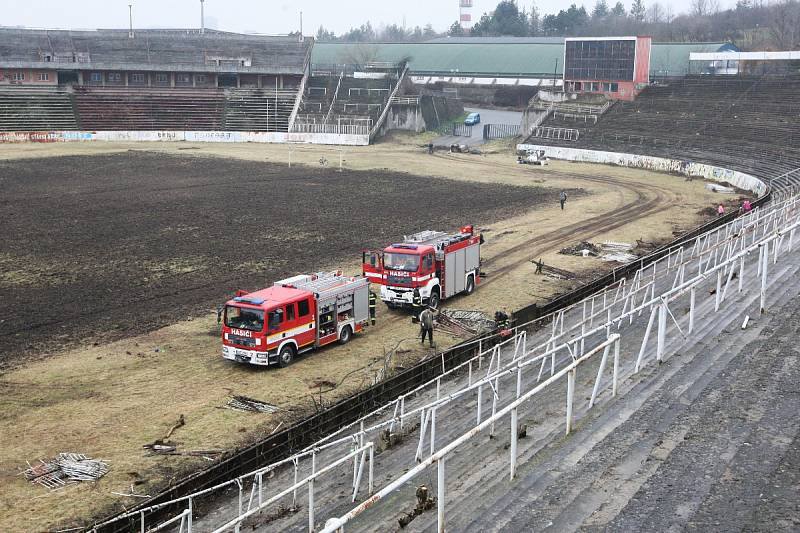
(583, 249)
(161, 447)
(617, 251)
(424, 503)
(243, 403)
(464, 323)
(553, 272)
(131, 494)
(719, 188)
(65, 469)
(180, 423)
(607, 251)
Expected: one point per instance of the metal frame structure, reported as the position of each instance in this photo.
(494, 386)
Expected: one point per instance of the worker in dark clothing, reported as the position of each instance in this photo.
(501, 320)
(563, 199)
(373, 302)
(416, 300)
(430, 148)
(426, 325)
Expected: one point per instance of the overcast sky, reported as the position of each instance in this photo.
(260, 16)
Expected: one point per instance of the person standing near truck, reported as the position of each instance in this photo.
(426, 325)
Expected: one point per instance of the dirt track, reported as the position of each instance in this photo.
(118, 245)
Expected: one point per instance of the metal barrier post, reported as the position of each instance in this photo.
(662, 330)
(570, 397)
(440, 494)
(514, 436)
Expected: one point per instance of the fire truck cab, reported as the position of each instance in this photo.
(438, 264)
(295, 315)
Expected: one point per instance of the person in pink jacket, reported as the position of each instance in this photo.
(720, 210)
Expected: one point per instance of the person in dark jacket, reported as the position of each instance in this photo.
(563, 199)
(426, 325)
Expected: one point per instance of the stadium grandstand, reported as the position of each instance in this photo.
(152, 80)
(184, 80)
(745, 123)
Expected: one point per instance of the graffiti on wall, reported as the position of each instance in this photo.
(177, 136)
(659, 164)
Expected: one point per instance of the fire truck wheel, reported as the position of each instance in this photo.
(286, 356)
(433, 301)
(345, 335)
(470, 285)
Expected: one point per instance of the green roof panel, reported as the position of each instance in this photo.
(492, 59)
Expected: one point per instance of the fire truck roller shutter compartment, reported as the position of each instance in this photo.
(473, 258)
(361, 298)
(449, 275)
(461, 257)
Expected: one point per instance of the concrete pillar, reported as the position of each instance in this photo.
(260, 84)
(80, 77)
(127, 79)
(172, 79)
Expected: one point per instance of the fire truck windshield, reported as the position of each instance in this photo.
(243, 318)
(395, 261)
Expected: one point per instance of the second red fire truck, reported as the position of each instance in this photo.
(438, 264)
(295, 315)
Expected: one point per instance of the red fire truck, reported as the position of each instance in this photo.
(295, 315)
(439, 264)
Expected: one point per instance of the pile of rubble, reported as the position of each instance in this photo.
(464, 323)
(243, 403)
(619, 252)
(65, 469)
(583, 249)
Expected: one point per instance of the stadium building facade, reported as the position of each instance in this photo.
(618, 67)
(151, 58)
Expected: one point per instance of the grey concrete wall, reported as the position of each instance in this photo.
(679, 166)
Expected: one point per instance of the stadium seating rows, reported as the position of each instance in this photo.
(747, 124)
(356, 102)
(142, 109)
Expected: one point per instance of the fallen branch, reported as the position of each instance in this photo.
(180, 423)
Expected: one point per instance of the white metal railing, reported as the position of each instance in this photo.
(576, 117)
(405, 100)
(770, 234)
(339, 129)
(711, 257)
(562, 134)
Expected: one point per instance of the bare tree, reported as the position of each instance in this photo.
(655, 15)
(699, 8)
(785, 24)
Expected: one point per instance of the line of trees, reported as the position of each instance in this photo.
(391, 33)
(756, 24)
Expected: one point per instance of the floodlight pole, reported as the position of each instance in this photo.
(202, 17)
(130, 21)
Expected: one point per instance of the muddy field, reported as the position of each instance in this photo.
(107, 246)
